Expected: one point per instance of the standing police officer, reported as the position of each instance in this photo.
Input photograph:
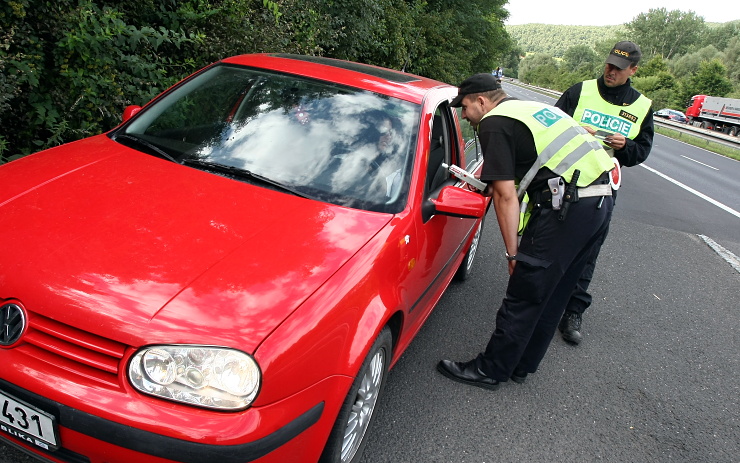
(608, 103)
(564, 172)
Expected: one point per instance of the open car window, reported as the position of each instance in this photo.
(336, 144)
(472, 153)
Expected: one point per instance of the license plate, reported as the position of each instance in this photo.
(28, 423)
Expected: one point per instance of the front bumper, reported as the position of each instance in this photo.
(82, 426)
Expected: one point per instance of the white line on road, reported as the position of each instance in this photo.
(691, 190)
(728, 256)
(705, 165)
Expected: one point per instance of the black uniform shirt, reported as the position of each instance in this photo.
(508, 151)
(635, 151)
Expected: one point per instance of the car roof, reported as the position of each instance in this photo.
(389, 82)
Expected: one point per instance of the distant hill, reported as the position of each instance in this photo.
(556, 39)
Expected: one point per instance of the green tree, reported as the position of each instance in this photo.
(555, 40)
(469, 34)
(583, 61)
(710, 80)
(721, 35)
(539, 69)
(439, 54)
(661, 88)
(652, 67)
(579, 57)
(689, 64)
(72, 67)
(510, 61)
(69, 67)
(732, 61)
(666, 33)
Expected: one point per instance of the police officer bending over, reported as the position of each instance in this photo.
(562, 176)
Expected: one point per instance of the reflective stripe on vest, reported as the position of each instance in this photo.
(594, 111)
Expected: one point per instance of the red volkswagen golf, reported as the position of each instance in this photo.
(229, 275)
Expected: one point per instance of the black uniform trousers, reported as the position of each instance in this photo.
(581, 299)
(551, 257)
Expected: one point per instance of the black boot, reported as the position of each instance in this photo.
(570, 326)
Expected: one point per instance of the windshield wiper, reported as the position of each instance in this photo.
(242, 174)
(162, 153)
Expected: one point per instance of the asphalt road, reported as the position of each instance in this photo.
(656, 377)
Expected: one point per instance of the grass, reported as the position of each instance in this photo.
(700, 142)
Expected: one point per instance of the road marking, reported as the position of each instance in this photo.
(705, 165)
(691, 190)
(728, 256)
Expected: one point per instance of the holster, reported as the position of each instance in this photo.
(570, 196)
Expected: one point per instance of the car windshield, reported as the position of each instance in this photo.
(320, 140)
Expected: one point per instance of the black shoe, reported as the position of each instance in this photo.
(467, 373)
(570, 326)
(519, 376)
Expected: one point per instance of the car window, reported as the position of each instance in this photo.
(467, 130)
(336, 144)
(472, 154)
(472, 146)
(439, 151)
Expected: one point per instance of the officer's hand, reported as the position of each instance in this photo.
(489, 190)
(616, 141)
(470, 187)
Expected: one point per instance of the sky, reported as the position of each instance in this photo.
(591, 13)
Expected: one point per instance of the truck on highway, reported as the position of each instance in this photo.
(715, 113)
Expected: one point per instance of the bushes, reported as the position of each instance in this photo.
(69, 67)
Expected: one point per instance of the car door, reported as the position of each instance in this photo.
(440, 239)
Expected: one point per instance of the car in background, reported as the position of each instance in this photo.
(672, 115)
(230, 273)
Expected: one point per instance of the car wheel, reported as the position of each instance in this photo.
(466, 266)
(347, 438)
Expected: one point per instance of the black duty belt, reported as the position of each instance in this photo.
(599, 187)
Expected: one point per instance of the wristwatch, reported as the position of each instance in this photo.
(509, 257)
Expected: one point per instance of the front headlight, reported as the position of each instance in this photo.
(211, 377)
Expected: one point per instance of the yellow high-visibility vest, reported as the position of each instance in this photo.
(594, 111)
(562, 146)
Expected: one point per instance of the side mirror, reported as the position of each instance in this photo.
(129, 112)
(458, 202)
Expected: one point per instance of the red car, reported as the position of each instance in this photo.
(229, 274)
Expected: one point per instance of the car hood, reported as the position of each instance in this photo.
(142, 250)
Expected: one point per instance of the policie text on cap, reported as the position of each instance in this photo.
(624, 55)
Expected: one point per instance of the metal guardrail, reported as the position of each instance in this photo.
(699, 131)
(666, 123)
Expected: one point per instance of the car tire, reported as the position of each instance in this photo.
(466, 266)
(348, 436)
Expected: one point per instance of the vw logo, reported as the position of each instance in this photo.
(12, 322)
